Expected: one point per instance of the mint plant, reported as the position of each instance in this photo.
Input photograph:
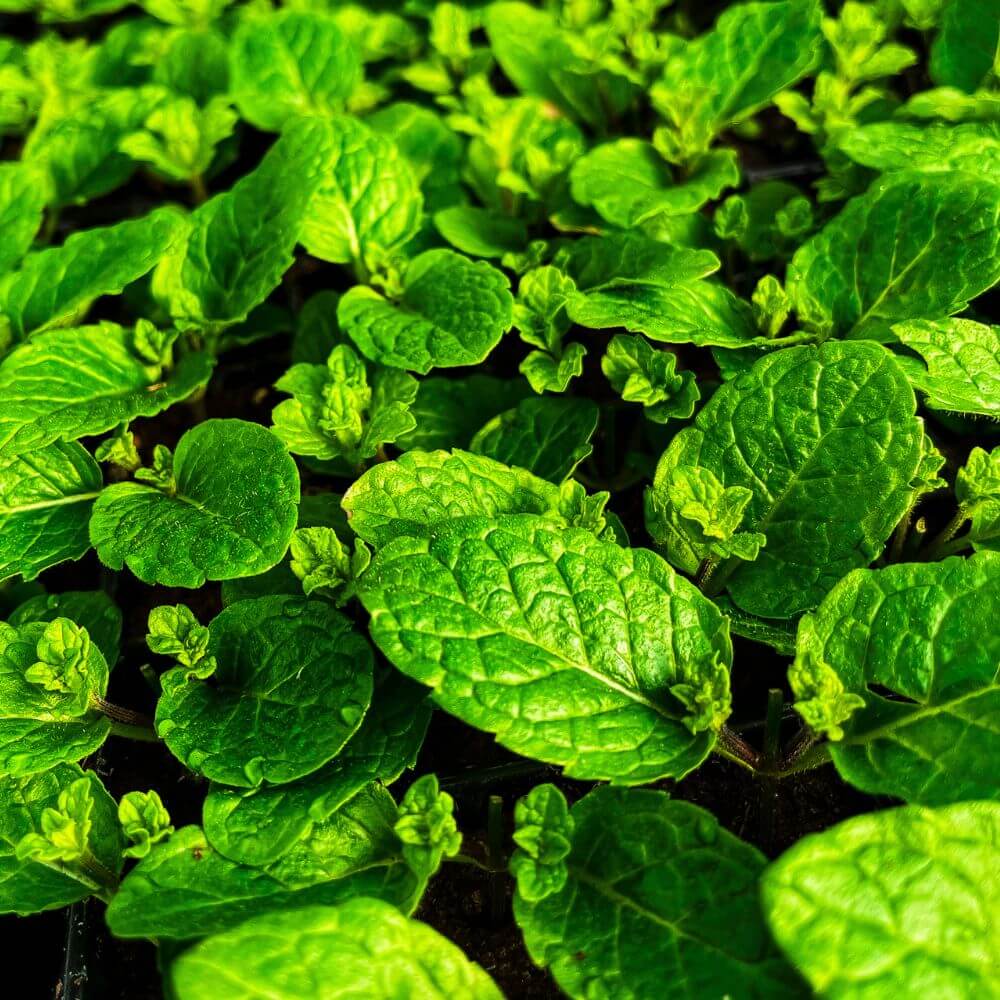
(501, 498)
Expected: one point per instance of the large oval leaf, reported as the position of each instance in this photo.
(917, 646)
(632, 895)
(894, 904)
(292, 683)
(229, 512)
(825, 443)
(571, 650)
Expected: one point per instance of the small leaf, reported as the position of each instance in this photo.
(144, 822)
(640, 374)
(175, 632)
(426, 826)
(543, 834)
(323, 562)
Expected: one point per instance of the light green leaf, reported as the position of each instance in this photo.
(421, 489)
(22, 200)
(964, 54)
(426, 827)
(292, 683)
(32, 884)
(658, 900)
(46, 497)
(628, 183)
(896, 145)
(960, 364)
(914, 245)
(923, 633)
(183, 889)
(451, 312)
(50, 675)
(175, 632)
(547, 435)
(368, 205)
(259, 825)
(487, 613)
(239, 243)
(894, 903)
(831, 470)
(546, 373)
(291, 63)
(543, 831)
(977, 489)
(94, 610)
(324, 563)
(363, 947)
(67, 384)
(56, 286)
(230, 511)
(640, 374)
(185, 12)
(144, 822)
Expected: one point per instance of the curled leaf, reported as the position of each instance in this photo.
(543, 834)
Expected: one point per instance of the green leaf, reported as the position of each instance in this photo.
(179, 139)
(22, 200)
(914, 245)
(895, 145)
(32, 883)
(426, 826)
(977, 489)
(230, 511)
(292, 683)
(50, 675)
(94, 610)
(67, 384)
(363, 947)
(754, 51)
(923, 634)
(368, 205)
(480, 233)
(449, 411)
(183, 889)
(543, 59)
(56, 286)
(546, 373)
(488, 613)
(831, 470)
(628, 183)
(144, 822)
(336, 414)
(421, 489)
(547, 435)
(640, 374)
(964, 54)
(259, 825)
(46, 497)
(324, 563)
(451, 312)
(657, 900)
(291, 63)
(175, 632)
(185, 12)
(892, 903)
(239, 243)
(960, 364)
(543, 832)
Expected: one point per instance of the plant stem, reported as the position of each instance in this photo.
(769, 784)
(198, 190)
(812, 755)
(937, 545)
(145, 734)
(899, 536)
(124, 716)
(733, 747)
(494, 844)
(715, 583)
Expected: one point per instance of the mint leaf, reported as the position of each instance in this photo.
(651, 888)
(455, 597)
(480, 233)
(977, 489)
(341, 941)
(51, 674)
(291, 63)
(914, 245)
(960, 366)
(22, 200)
(831, 471)
(426, 826)
(68, 384)
(451, 312)
(640, 374)
(239, 243)
(94, 610)
(229, 510)
(547, 435)
(845, 893)
(965, 50)
(936, 660)
(543, 833)
(291, 685)
(368, 205)
(144, 822)
(324, 563)
(46, 498)
(36, 811)
(56, 286)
